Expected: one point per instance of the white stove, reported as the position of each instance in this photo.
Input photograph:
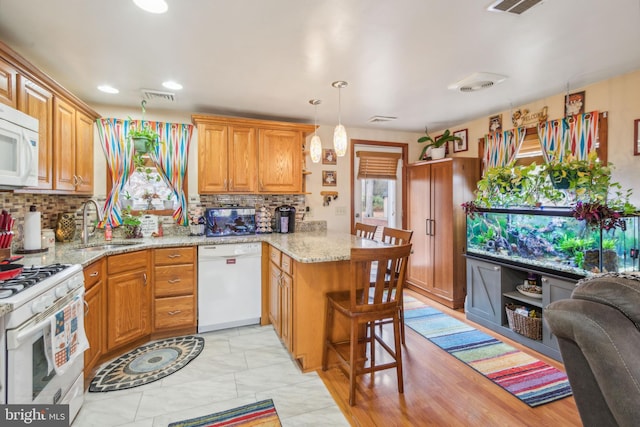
(37, 296)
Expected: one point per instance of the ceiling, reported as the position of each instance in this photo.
(266, 59)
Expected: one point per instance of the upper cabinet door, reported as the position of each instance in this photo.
(84, 153)
(280, 159)
(64, 139)
(212, 158)
(242, 159)
(8, 84)
(37, 102)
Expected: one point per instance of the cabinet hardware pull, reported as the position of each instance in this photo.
(80, 180)
(426, 227)
(75, 180)
(544, 280)
(144, 277)
(171, 313)
(496, 268)
(94, 274)
(433, 227)
(172, 281)
(225, 184)
(172, 256)
(86, 307)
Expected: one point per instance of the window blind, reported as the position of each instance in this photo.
(377, 165)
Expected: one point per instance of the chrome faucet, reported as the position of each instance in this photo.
(85, 229)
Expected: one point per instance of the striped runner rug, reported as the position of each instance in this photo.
(261, 414)
(527, 378)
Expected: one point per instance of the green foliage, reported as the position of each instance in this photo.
(129, 219)
(573, 245)
(148, 135)
(578, 257)
(608, 244)
(436, 143)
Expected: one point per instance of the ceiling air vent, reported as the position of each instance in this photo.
(156, 95)
(477, 81)
(379, 119)
(513, 6)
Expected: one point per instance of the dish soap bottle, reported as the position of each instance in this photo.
(108, 233)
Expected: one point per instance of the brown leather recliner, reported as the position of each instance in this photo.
(599, 336)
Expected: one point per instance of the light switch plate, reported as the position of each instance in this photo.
(341, 210)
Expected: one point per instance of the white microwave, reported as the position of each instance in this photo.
(18, 148)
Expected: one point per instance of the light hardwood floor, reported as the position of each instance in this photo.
(439, 390)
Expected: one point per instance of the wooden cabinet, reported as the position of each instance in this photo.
(95, 317)
(281, 295)
(492, 285)
(174, 290)
(7, 84)
(227, 158)
(128, 298)
(73, 148)
(37, 101)
(238, 155)
(280, 156)
(435, 191)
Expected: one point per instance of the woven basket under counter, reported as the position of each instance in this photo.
(530, 327)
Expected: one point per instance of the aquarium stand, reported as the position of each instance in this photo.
(491, 285)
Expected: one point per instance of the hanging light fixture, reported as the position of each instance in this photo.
(315, 148)
(339, 133)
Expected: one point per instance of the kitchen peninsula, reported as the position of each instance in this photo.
(298, 269)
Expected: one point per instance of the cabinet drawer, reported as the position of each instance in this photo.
(168, 256)
(274, 255)
(175, 312)
(173, 280)
(126, 262)
(286, 264)
(93, 274)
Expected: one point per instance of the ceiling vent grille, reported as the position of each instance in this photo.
(156, 95)
(477, 81)
(513, 6)
(379, 119)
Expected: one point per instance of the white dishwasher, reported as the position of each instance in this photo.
(229, 285)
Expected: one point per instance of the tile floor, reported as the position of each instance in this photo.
(236, 367)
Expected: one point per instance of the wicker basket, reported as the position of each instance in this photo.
(530, 327)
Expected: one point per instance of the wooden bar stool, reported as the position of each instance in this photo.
(363, 306)
(365, 230)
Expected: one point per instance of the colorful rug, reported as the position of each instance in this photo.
(527, 378)
(261, 414)
(148, 363)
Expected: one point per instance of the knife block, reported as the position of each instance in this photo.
(5, 253)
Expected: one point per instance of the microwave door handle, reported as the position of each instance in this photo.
(28, 157)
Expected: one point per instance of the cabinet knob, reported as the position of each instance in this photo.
(496, 268)
(545, 279)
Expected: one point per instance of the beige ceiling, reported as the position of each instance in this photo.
(267, 58)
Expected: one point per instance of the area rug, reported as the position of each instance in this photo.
(261, 414)
(148, 363)
(527, 378)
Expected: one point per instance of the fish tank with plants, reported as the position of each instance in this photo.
(554, 241)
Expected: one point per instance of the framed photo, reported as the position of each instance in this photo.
(329, 156)
(329, 178)
(460, 145)
(574, 104)
(495, 123)
(636, 137)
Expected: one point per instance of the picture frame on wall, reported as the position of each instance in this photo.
(329, 178)
(329, 156)
(495, 123)
(461, 144)
(574, 104)
(636, 137)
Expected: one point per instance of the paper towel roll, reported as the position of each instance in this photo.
(32, 238)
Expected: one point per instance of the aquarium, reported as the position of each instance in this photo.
(552, 240)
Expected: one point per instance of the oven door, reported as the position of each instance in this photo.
(30, 379)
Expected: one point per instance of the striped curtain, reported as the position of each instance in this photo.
(576, 135)
(171, 158)
(500, 148)
(119, 154)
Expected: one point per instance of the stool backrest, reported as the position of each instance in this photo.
(365, 230)
(396, 236)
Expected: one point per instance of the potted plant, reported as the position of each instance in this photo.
(126, 201)
(144, 140)
(438, 148)
(168, 202)
(131, 224)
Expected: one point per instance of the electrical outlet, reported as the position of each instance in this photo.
(308, 213)
(341, 210)
(194, 198)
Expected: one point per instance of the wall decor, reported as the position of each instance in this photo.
(329, 156)
(495, 123)
(523, 117)
(460, 144)
(574, 104)
(636, 137)
(329, 178)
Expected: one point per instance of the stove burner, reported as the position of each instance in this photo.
(29, 277)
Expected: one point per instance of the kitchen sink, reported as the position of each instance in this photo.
(103, 246)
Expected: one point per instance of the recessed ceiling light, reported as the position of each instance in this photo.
(108, 89)
(172, 85)
(152, 6)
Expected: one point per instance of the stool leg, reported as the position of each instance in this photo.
(328, 325)
(353, 345)
(396, 331)
(402, 322)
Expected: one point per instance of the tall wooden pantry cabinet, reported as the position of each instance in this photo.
(435, 191)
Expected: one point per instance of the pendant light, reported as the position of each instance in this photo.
(339, 133)
(315, 148)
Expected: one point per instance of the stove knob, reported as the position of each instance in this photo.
(61, 291)
(38, 306)
(48, 300)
